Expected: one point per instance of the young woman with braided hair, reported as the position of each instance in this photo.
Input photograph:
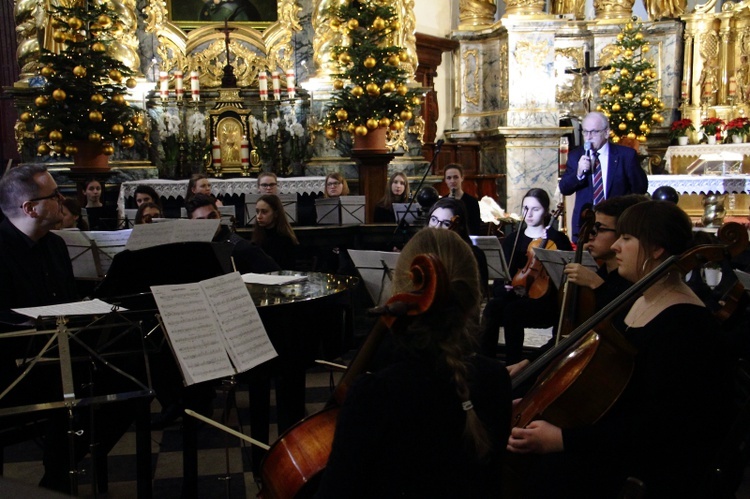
(433, 422)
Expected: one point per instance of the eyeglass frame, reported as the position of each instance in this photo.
(593, 132)
(55, 195)
(268, 186)
(597, 228)
(439, 223)
(334, 183)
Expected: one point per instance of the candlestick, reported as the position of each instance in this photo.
(163, 85)
(195, 90)
(290, 88)
(263, 85)
(732, 86)
(684, 90)
(178, 89)
(245, 153)
(707, 89)
(276, 85)
(216, 154)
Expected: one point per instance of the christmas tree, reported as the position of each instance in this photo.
(628, 95)
(83, 99)
(370, 90)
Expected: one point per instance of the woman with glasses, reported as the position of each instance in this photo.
(510, 308)
(600, 170)
(335, 186)
(268, 183)
(396, 192)
(665, 427)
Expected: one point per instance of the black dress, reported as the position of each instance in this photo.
(472, 212)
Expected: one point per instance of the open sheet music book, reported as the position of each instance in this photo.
(91, 252)
(213, 327)
(177, 231)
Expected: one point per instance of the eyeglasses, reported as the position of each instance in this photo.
(436, 222)
(55, 195)
(333, 184)
(594, 132)
(268, 186)
(598, 228)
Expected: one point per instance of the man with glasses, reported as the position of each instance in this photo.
(600, 170)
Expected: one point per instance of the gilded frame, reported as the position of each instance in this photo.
(187, 14)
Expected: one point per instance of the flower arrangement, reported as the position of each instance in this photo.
(168, 127)
(738, 126)
(680, 128)
(281, 139)
(712, 126)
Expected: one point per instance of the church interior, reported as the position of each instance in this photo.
(230, 90)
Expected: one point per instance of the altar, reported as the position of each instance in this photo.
(678, 158)
(731, 191)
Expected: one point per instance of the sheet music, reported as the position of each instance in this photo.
(554, 262)
(244, 336)
(272, 279)
(213, 327)
(193, 332)
(89, 307)
(493, 251)
(179, 231)
(375, 268)
(90, 263)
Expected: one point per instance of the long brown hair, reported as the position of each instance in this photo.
(279, 221)
(390, 198)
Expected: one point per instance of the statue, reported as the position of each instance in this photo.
(575, 7)
(665, 9)
(742, 76)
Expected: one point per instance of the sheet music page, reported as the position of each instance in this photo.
(245, 336)
(375, 268)
(148, 235)
(109, 243)
(79, 251)
(193, 332)
(554, 262)
(89, 307)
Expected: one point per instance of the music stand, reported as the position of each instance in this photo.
(497, 266)
(554, 262)
(288, 201)
(376, 270)
(402, 211)
(91, 252)
(341, 210)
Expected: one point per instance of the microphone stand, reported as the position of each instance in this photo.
(402, 223)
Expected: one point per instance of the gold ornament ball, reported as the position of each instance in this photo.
(41, 101)
(26, 117)
(416, 101)
(385, 122)
(629, 26)
(119, 99)
(620, 37)
(396, 25)
(655, 117)
(624, 72)
(47, 71)
(622, 126)
(403, 56)
(607, 114)
(628, 95)
(342, 115)
(97, 98)
(39, 130)
(402, 89)
(131, 83)
(358, 91)
(104, 21)
(115, 74)
(137, 119)
(639, 36)
(372, 89)
(646, 103)
(79, 71)
(394, 60)
(95, 116)
(615, 53)
(335, 24)
(372, 123)
(99, 47)
(117, 129)
(59, 36)
(599, 107)
(638, 78)
(360, 130)
(378, 23)
(615, 140)
(643, 127)
(641, 138)
(660, 119)
(345, 58)
(631, 135)
(59, 94)
(330, 133)
(628, 53)
(603, 91)
(645, 48)
(70, 149)
(350, 127)
(58, 148)
(369, 62)
(388, 87)
(615, 89)
(127, 141)
(615, 107)
(108, 149)
(397, 125)
(630, 115)
(352, 24)
(338, 84)
(406, 115)
(95, 137)
(55, 136)
(75, 23)
(43, 149)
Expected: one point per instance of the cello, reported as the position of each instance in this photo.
(295, 462)
(533, 280)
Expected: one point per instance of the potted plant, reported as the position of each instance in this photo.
(370, 92)
(737, 129)
(680, 129)
(710, 128)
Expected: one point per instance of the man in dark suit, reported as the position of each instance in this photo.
(616, 166)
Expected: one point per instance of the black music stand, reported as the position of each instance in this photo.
(376, 269)
(107, 345)
(341, 210)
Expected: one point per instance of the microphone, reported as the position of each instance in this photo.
(438, 146)
(587, 148)
(453, 192)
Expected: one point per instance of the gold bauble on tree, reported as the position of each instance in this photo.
(397, 125)
(643, 127)
(108, 149)
(352, 24)
(345, 58)
(628, 53)
(70, 149)
(104, 21)
(119, 99)
(55, 136)
(79, 71)
(99, 47)
(406, 115)
(372, 89)
(631, 135)
(402, 89)
(416, 101)
(624, 72)
(622, 126)
(117, 129)
(95, 116)
(396, 25)
(338, 84)
(342, 115)
(630, 115)
(115, 75)
(372, 123)
(131, 83)
(388, 87)
(394, 60)
(615, 107)
(95, 137)
(369, 62)
(41, 101)
(378, 23)
(330, 133)
(350, 127)
(59, 94)
(360, 130)
(58, 148)
(43, 149)
(97, 98)
(59, 36)
(39, 130)
(385, 121)
(127, 141)
(26, 117)
(75, 23)
(628, 95)
(358, 91)
(646, 103)
(638, 78)
(403, 55)
(614, 89)
(334, 24)
(47, 71)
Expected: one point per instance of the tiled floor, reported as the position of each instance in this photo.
(216, 450)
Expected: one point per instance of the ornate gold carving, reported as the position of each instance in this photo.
(503, 83)
(476, 13)
(524, 7)
(665, 9)
(568, 85)
(418, 129)
(613, 9)
(394, 140)
(705, 8)
(530, 55)
(470, 77)
(575, 7)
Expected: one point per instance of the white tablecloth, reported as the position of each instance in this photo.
(701, 184)
(219, 187)
(700, 149)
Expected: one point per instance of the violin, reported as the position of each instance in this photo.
(296, 460)
(532, 280)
